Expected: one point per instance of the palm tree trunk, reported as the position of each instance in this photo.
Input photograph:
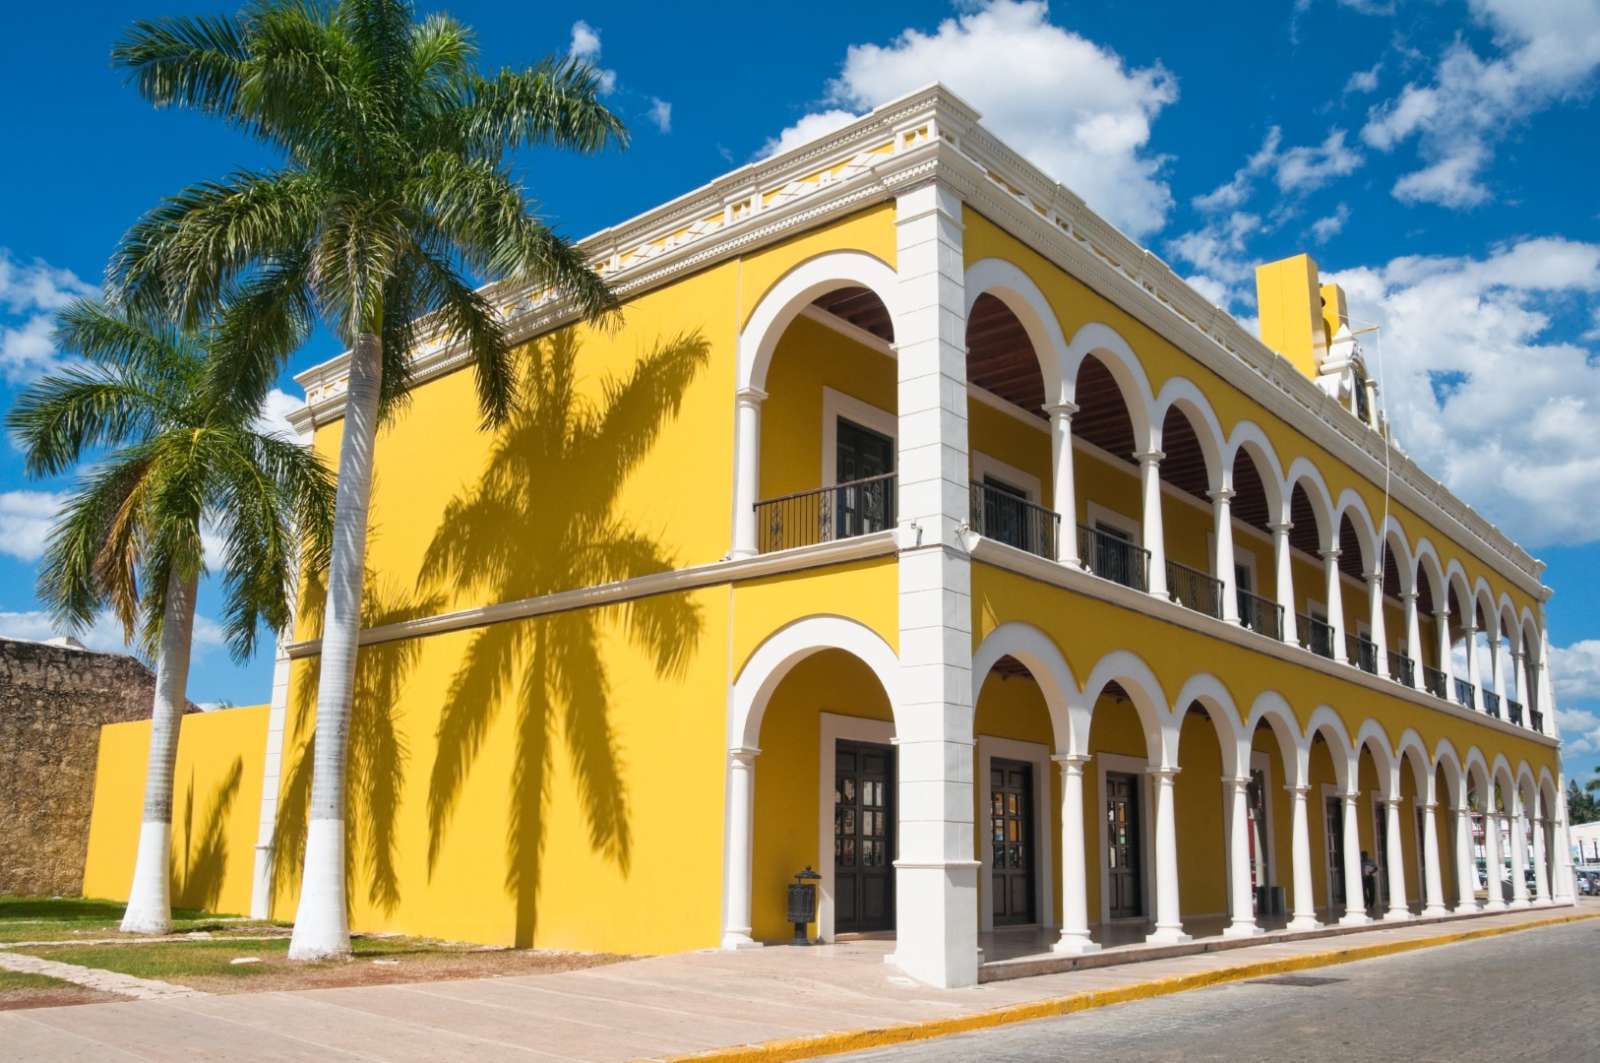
(321, 925)
(150, 897)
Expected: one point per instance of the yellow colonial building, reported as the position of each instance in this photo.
(916, 527)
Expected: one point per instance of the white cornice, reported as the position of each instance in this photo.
(933, 134)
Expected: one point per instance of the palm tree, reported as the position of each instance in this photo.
(179, 452)
(393, 187)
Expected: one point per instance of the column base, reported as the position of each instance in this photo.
(1467, 908)
(1304, 922)
(1437, 911)
(739, 939)
(1075, 943)
(1242, 930)
(1395, 915)
(1355, 919)
(1493, 906)
(1167, 935)
(1520, 903)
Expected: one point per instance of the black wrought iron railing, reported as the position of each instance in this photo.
(1514, 711)
(1536, 720)
(1316, 635)
(1363, 653)
(1433, 682)
(1491, 703)
(826, 514)
(1260, 615)
(1464, 692)
(1013, 520)
(1402, 669)
(1114, 559)
(1194, 589)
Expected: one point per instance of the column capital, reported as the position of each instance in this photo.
(1411, 595)
(1442, 614)
(1283, 527)
(1064, 410)
(750, 396)
(1163, 773)
(1299, 789)
(1431, 806)
(1072, 763)
(1236, 783)
(745, 755)
(1149, 457)
(1331, 553)
(1374, 577)
(1222, 494)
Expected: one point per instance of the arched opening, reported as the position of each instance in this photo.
(1120, 818)
(1308, 538)
(1401, 666)
(1498, 859)
(1255, 561)
(1532, 666)
(1524, 866)
(1202, 822)
(1008, 432)
(1379, 875)
(1327, 768)
(1188, 513)
(1547, 834)
(1431, 599)
(1463, 662)
(1273, 751)
(1111, 512)
(828, 398)
(1357, 557)
(1508, 648)
(1416, 787)
(1451, 826)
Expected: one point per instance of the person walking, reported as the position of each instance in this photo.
(1369, 880)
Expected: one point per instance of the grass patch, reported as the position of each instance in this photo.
(213, 958)
(66, 918)
(11, 981)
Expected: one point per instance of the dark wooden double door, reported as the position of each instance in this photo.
(863, 837)
(1124, 847)
(1011, 831)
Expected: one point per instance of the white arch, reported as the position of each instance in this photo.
(1455, 579)
(1022, 297)
(1511, 632)
(1477, 771)
(1302, 470)
(1248, 436)
(1483, 597)
(1427, 556)
(1325, 720)
(1526, 782)
(1548, 793)
(1107, 345)
(787, 647)
(1271, 708)
(1210, 692)
(1038, 653)
(1129, 672)
(1394, 535)
(1183, 394)
(1372, 736)
(794, 291)
(1445, 755)
(1500, 773)
(1421, 764)
(1351, 502)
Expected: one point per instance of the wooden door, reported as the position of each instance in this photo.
(1123, 845)
(1011, 827)
(863, 837)
(1333, 819)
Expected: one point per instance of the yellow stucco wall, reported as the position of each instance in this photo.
(216, 802)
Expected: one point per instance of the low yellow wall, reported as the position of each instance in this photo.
(216, 802)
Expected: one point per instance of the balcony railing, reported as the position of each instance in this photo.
(1114, 559)
(1514, 711)
(1013, 520)
(1317, 635)
(1402, 669)
(1194, 589)
(1363, 653)
(1260, 615)
(1491, 703)
(826, 514)
(1536, 720)
(1464, 692)
(1433, 680)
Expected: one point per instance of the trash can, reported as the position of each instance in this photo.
(802, 906)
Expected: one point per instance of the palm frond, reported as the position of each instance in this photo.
(191, 61)
(554, 104)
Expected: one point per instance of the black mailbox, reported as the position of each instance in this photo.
(803, 903)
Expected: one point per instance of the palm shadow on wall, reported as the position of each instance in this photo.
(198, 869)
(377, 753)
(539, 521)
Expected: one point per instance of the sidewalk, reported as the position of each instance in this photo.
(773, 1003)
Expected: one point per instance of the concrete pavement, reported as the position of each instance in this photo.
(767, 1003)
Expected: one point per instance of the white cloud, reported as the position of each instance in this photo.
(273, 420)
(1217, 252)
(586, 46)
(1548, 52)
(808, 128)
(1296, 171)
(33, 293)
(1326, 228)
(1576, 670)
(1580, 731)
(104, 634)
(661, 114)
(1363, 81)
(1477, 387)
(25, 520)
(1071, 106)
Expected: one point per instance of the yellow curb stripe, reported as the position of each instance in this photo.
(829, 1044)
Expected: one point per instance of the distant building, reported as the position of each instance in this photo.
(1586, 846)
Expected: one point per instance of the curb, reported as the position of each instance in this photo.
(883, 1036)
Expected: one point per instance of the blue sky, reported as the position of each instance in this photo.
(1436, 156)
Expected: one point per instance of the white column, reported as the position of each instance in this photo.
(1283, 566)
(1235, 792)
(1497, 677)
(1473, 668)
(271, 773)
(1441, 620)
(1355, 908)
(741, 822)
(1466, 863)
(1305, 904)
(1564, 886)
(1547, 694)
(1335, 595)
(1495, 901)
(1154, 537)
(1063, 492)
(1432, 873)
(1519, 855)
(1375, 622)
(1414, 639)
(1222, 522)
(936, 875)
(747, 473)
(1394, 858)
(1169, 923)
(1074, 876)
(1541, 873)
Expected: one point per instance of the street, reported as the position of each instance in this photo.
(1534, 995)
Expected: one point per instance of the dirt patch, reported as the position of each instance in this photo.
(278, 973)
(53, 997)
